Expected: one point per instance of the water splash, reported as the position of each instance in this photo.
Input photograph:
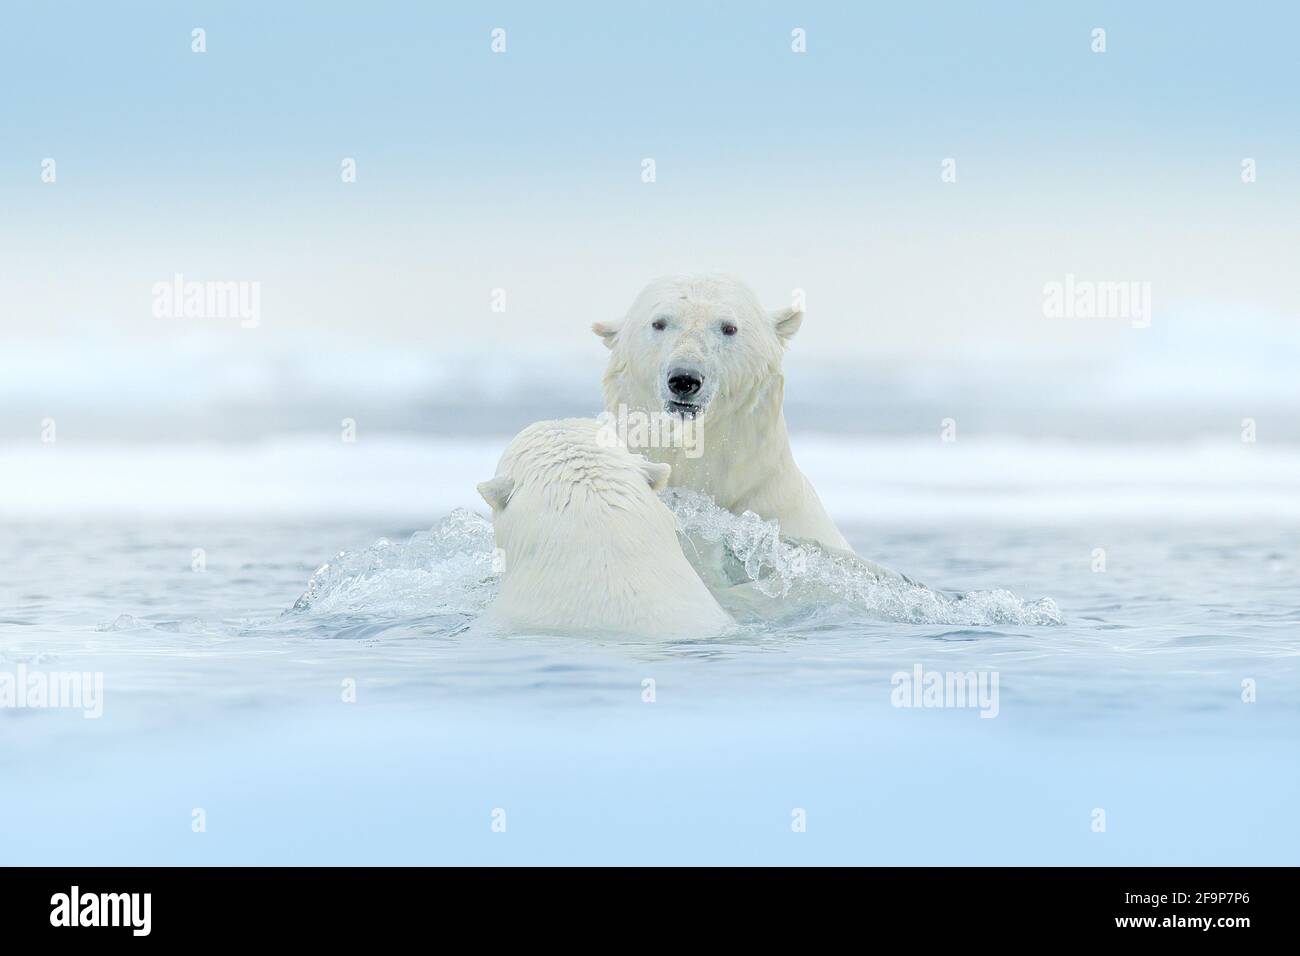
(800, 574)
(445, 570)
(759, 575)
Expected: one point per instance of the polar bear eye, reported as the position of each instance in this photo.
(729, 328)
(659, 324)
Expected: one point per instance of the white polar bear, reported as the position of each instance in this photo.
(587, 544)
(702, 348)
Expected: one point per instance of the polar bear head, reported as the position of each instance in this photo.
(586, 542)
(695, 347)
(551, 466)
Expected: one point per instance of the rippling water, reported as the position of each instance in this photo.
(226, 671)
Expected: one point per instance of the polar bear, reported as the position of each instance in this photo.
(702, 349)
(587, 544)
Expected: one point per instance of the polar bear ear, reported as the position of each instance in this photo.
(787, 322)
(656, 472)
(496, 492)
(606, 332)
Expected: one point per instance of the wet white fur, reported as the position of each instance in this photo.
(588, 545)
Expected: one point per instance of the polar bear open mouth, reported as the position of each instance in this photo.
(684, 409)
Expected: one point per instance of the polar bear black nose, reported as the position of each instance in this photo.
(684, 382)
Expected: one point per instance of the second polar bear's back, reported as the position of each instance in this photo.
(587, 543)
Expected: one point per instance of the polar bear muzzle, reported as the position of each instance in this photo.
(684, 385)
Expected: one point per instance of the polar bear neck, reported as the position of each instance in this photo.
(743, 461)
(742, 453)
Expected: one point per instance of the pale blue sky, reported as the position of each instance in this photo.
(522, 170)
